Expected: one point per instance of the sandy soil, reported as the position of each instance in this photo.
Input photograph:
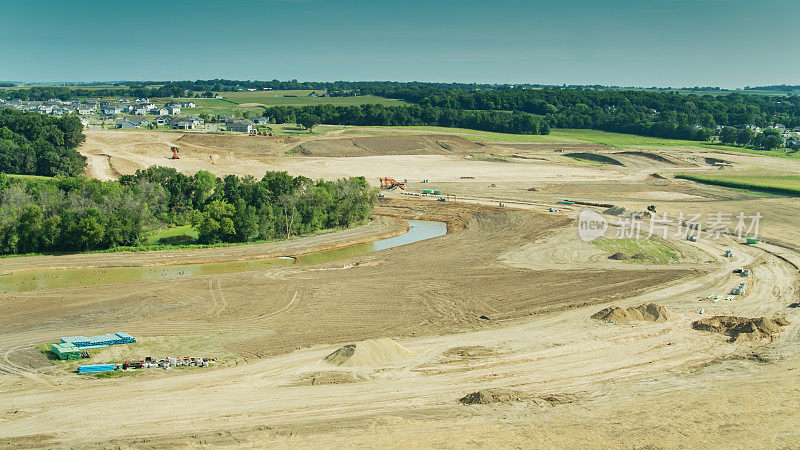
(503, 301)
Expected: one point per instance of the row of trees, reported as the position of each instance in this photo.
(42, 93)
(72, 214)
(76, 214)
(413, 115)
(660, 114)
(37, 144)
(768, 140)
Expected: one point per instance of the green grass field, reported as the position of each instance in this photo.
(639, 250)
(255, 102)
(28, 177)
(776, 184)
(278, 98)
(185, 230)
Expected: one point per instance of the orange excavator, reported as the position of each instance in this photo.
(389, 183)
(175, 153)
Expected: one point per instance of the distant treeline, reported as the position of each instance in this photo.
(788, 88)
(649, 113)
(505, 108)
(414, 115)
(37, 144)
(76, 214)
(42, 93)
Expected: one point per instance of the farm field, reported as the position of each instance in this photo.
(503, 301)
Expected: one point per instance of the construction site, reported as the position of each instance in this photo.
(503, 294)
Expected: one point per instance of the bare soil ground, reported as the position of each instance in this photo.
(503, 305)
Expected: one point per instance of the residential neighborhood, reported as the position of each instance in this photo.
(137, 113)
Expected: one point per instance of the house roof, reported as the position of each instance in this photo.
(239, 122)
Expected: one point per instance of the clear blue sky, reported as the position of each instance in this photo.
(728, 43)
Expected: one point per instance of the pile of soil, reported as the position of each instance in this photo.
(651, 312)
(640, 256)
(498, 395)
(332, 377)
(618, 257)
(741, 328)
(372, 352)
(489, 396)
(656, 176)
(648, 155)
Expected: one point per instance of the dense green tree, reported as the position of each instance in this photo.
(728, 135)
(308, 121)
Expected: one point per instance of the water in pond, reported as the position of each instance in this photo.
(50, 279)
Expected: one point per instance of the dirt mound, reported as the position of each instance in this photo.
(372, 352)
(330, 377)
(656, 176)
(595, 157)
(618, 257)
(648, 155)
(390, 145)
(651, 312)
(489, 396)
(717, 162)
(498, 395)
(741, 328)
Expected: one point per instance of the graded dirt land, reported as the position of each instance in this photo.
(483, 337)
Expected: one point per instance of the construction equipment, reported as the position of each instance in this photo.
(175, 153)
(390, 183)
(651, 208)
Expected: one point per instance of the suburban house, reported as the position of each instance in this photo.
(188, 105)
(126, 124)
(174, 109)
(132, 122)
(755, 128)
(109, 110)
(84, 110)
(163, 120)
(221, 118)
(183, 123)
(260, 120)
(140, 110)
(241, 126)
(159, 111)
